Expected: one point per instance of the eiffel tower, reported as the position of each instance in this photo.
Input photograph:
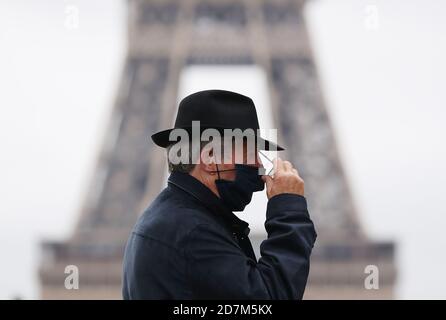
(165, 36)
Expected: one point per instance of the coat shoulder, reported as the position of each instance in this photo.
(171, 217)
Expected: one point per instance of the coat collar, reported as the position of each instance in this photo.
(203, 194)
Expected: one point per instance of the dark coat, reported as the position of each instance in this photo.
(187, 245)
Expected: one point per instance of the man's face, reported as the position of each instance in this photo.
(240, 154)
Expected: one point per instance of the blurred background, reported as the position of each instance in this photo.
(375, 71)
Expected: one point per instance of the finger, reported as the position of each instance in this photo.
(275, 165)
(287, 165)
(297, 171)
(267, 179)
(279, 165)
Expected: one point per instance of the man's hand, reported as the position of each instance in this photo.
(286, 180)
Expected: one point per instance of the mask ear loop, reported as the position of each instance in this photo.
(218, 171)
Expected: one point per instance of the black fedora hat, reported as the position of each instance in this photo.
(217, 109)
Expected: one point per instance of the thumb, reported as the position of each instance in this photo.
(267, 179)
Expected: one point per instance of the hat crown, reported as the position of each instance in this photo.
(217, 109)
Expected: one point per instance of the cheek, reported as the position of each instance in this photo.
(232, 175)
(227, 175)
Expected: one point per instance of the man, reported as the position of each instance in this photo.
(188, 244)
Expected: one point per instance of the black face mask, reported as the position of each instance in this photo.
(238, 193)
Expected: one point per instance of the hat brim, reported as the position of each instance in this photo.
(161, 139)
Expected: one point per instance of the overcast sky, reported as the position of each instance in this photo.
(383, 73)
